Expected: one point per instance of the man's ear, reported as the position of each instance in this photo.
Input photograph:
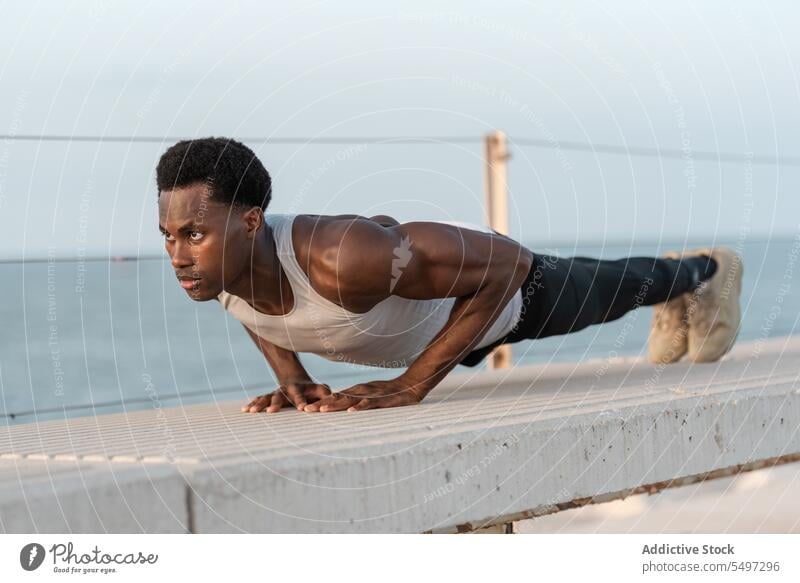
(253, 219)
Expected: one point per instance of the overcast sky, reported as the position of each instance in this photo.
(643, 75)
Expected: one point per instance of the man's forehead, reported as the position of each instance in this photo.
(188, 202)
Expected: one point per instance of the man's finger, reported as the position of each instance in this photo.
(317, 392)
(364, 404)
(246, 408)
(357, 391)
(277, 402)
(341, 403)
(334, 402)
(258, 404)
(296, 395)
(314, 407)
(367, 390)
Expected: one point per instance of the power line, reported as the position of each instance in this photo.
(638, 151)
(659, 152)
(389, 140)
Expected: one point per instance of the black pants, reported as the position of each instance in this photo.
(567, 294)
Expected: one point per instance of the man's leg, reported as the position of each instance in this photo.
(567, 294)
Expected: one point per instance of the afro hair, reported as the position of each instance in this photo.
(236, 176)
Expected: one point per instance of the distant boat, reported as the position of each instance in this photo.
(122, 258)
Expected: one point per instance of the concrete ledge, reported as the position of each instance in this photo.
(484, 448)
(68, 497)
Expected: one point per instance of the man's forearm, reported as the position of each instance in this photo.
(470, 319)
(284, 363)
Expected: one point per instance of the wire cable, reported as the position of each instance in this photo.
(638, 151)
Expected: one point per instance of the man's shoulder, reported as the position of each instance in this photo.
(338, 254)
(323, 238)
(313, 236)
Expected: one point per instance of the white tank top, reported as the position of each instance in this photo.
(391, 335)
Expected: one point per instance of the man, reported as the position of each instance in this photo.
(424, 296)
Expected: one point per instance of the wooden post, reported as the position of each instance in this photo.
(496, 209)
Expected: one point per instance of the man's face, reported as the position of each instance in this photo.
(209, 242)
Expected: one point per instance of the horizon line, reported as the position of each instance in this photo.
(533, 246)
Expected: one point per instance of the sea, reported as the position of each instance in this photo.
(87, 337)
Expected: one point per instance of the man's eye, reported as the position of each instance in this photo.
(167, 236)
(195, 235)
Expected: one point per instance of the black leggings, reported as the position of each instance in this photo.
(567, 294)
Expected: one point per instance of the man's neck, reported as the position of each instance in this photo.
(263, 284)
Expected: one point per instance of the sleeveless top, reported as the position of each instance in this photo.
(390, 335)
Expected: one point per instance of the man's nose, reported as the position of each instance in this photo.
(181, 256)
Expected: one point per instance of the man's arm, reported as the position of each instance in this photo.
(296, 387)
(284, 363)
(365, 263)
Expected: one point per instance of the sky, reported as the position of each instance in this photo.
(673, 76)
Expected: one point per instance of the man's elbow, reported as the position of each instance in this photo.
(522, 265)
(517, 271)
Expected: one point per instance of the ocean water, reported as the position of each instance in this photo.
(84, 338)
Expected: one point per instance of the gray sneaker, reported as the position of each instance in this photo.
(712, 309)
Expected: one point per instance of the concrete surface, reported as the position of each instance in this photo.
(763, 501)
(69, 497)
(483, 449)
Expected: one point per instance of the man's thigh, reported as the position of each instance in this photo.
(569, 301)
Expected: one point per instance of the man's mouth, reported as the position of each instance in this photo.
(189, 282)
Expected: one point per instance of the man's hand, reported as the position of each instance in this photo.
(372, 395)
(296, 393)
